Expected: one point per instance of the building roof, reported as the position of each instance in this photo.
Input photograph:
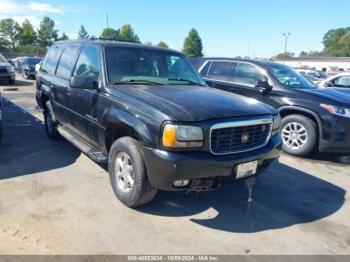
(315, 59)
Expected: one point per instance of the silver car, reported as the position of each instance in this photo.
(7, 72)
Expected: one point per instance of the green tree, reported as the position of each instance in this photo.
(283, 55)
(63, 37)
(127, 34)
(337, 42)
(28, 35)
(193, 44)
(10, 32)
(162, 44)
(47, 34)
(110, 34)
(83, 34)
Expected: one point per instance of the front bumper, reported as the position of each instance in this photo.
(164, 167)
(7, 76)
(336, 135)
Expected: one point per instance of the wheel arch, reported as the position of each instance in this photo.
(290, 110)
(119, 123)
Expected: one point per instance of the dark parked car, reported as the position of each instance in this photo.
(311, 118)
(0, 116)
(28, 66)
(149, 114)
(7, 72)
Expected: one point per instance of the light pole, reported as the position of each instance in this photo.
(286, 41)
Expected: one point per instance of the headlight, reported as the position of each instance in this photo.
(276, 125)
(337, 110)
(10, 69)
(181, 136)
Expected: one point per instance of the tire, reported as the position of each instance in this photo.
(50, 125)
(304, 142)
(137, 190)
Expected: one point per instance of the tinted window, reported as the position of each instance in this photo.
(51, 59)
(32, 61)
(88, 63)
(343, 81)
(139, 64)
(220, 70)
(247, 74)
(67, 61)
(205, 69)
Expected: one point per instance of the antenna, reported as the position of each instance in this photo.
(107, 21)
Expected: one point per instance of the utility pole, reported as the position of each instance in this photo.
(286, 41)
(107, 21)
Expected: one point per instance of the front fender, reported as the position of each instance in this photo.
(305, 110)
(132, 124)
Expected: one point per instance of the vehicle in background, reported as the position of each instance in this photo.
(312, 118)
(28, 67)
(311, 72)
(341, 80)
(37, 67)
(150, 115)
(16, 63)
(0, 117)
(7, 72)
(313, 79)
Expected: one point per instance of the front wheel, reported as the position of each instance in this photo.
(128, 175)
(299, 135)
(50, 125)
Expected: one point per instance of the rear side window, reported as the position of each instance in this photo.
(67, 61)
(88, 63)
(343, 81)
(220, 70)
(51, 59)
(247, 74)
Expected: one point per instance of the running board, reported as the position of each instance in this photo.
(91, 151)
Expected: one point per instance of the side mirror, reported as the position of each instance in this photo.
(264, 86)
(83, 82)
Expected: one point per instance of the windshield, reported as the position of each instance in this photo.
(289, 77)
(2, 59)
(137, 65)
(32, 61)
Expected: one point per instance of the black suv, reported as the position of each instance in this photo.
(311, 118)
(148, 113)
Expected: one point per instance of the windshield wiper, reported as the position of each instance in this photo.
(136, 81)
(186, 80)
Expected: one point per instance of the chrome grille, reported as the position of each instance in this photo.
(229, 138)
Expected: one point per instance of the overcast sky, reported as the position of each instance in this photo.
(227, 27)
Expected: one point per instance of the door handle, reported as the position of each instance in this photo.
(69, 90)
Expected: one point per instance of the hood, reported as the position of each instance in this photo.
(4, 64)
(340, 95)
(195, 103)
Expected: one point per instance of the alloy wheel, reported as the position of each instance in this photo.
(294, 135)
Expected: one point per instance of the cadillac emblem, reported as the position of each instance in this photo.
(245, 138)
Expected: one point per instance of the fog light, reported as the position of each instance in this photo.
(181, 183)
